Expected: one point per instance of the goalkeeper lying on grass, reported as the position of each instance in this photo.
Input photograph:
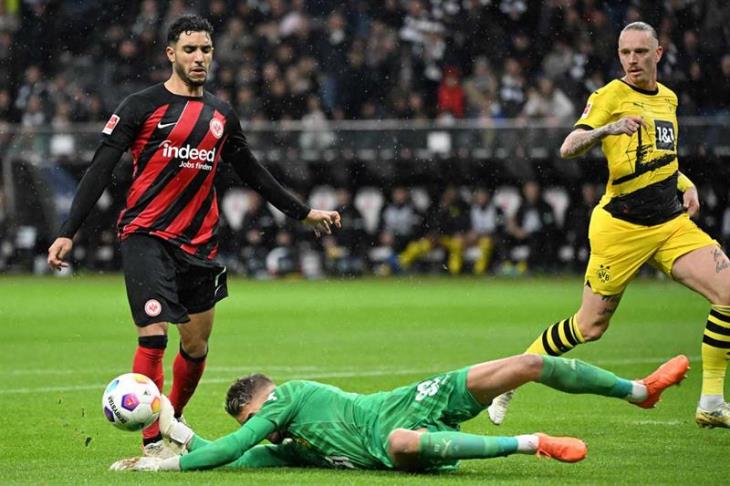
(412, 428)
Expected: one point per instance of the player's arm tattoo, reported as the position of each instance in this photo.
(580, 141)
(721, 260)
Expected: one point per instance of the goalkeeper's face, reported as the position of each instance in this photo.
(191, 57)
(639, 53)
(260, 397)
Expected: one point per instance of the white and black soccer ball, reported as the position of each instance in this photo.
(131, 402)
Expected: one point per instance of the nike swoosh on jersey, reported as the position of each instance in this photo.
(161, 125)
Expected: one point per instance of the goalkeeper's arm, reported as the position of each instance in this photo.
(204, 454)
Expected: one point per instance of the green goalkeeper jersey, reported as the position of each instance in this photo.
(330, 427)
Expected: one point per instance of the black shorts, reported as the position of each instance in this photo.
(165, 284)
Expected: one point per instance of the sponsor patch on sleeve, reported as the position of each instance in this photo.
(109, 127)
(586, 111)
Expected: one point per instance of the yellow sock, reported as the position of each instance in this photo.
(557, 339)
(414, 251)
(455, 246)
(485, 246)
(715, 350)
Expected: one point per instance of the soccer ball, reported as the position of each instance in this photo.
(131, 402)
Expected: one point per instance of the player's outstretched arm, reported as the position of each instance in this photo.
(95, 180)
(579, 141)
(323, 221)
(225, 450)
(253, 173)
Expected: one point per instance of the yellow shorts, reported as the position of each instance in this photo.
(620, 248)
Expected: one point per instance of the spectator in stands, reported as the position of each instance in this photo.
(381, 54)
(147, 19)
(400, 222)
(357, 82)
(33, 85)
(315, 133)
(577, 218)
(480, 86)
(559, 60)
(549, 103)
(445, 226)
(486, 231)
(451, 95)
(258, 234)
(8, 113)
(512, 96)
(284, 259)
(331, 48)
(345, 250)
(233, 41)
(34, 115)
(247, 104)
(8, 61)
(534, 228)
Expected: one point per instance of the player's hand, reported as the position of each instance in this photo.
(322, 221)
(58, 252)
(691, 202)
(170, 427)
(137, 464)
(627, 125)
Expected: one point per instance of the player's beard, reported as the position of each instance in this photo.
(180, 70)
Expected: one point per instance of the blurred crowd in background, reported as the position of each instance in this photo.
(322, 61)
(65, 62)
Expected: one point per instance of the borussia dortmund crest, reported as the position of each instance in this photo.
(603, 274)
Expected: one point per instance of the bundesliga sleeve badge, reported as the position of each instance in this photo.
(109, 127)
(586, 111)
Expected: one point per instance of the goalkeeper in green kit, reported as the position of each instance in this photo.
(412, 428)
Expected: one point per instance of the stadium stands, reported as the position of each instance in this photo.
(361, 95)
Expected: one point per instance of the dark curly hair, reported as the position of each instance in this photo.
(243, 390)
(188, 23)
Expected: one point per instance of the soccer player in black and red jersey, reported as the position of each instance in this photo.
(177, 134)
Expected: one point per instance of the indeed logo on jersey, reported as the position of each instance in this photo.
(186, 152)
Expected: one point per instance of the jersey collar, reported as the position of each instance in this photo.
(642, 91)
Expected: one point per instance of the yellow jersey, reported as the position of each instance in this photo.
(642, 168)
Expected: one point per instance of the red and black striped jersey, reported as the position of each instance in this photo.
(176, 143)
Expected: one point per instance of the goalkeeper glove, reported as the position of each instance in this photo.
(147, 464)
(170, 427)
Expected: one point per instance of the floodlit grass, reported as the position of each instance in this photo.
(62, 340)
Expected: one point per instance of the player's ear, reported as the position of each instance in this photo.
(659, 52)
(170, 53)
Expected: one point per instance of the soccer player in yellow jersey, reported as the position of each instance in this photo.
(641, 218)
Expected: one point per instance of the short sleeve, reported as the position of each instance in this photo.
(123, 125)
(597, 112)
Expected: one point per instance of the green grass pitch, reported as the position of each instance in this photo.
(62, 340)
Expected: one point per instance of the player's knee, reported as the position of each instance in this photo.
(194, 348)
(722, 296)
(403, 442)
(531, 364)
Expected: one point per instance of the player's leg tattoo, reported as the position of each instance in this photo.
(612, 302)
(720, 259)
